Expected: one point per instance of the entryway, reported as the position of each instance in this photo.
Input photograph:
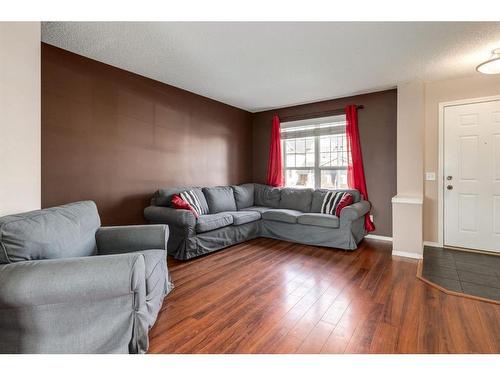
(463, 272)
(471, 174)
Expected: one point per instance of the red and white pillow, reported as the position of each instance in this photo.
(335, 201)
(346, 200)
(187, 200)
(179, 203)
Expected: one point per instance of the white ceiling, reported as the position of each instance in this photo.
(263, 65)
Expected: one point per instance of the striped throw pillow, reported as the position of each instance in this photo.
(331, 201)
(190, 197)
(178, 202)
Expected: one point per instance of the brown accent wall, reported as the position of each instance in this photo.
(115, 137)
(377, 127)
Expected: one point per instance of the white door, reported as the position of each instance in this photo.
(472, 176)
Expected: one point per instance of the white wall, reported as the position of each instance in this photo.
(20, 169)
(407, 231)
(410, 139)
(418, 105)
(474, 86)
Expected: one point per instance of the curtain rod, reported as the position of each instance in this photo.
(306, 116)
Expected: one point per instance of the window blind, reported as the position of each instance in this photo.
(313, 127)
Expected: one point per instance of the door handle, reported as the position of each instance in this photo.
(449, 187)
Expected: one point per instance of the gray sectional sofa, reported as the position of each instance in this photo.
(68, 285)
(239, 213)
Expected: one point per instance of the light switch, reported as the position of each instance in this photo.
(430, 176)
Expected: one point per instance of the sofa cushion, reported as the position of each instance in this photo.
(286, 216)
(163, 197)
(320, 220)
(296, 199)
(220, 199)
(59, 232)
(319, 195)
(243, 195)
(259, 209)
(267, 196)
(243, 217)
(206, 223)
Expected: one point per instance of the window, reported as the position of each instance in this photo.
(315, 153)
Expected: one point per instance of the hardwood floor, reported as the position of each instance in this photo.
(268, 296)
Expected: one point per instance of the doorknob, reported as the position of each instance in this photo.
(449, 187)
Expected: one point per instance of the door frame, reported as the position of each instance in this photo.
(440, 176)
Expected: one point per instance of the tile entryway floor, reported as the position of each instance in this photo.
(464, 272)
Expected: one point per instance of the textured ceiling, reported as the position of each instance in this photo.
(258, 66)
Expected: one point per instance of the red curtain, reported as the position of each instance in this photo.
(355, 172)
(275, 164)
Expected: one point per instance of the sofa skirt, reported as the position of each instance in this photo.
(184, 248)
(345, 237)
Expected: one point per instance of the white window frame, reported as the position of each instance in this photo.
(316, 168)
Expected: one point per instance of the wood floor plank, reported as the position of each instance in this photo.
(269, 296)
(353, 317)
(315, 340)
(324, 288)
(410, 319)
(293, 331)
(384, 339)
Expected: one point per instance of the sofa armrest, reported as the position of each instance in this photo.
(128, 238)
(170, 216)
(58, 281)
(354, 211)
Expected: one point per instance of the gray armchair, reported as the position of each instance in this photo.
(68, 285)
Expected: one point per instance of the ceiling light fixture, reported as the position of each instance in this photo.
(491, 66)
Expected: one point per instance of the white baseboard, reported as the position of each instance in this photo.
(433, 244)
(406, 254)
(377, 237)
